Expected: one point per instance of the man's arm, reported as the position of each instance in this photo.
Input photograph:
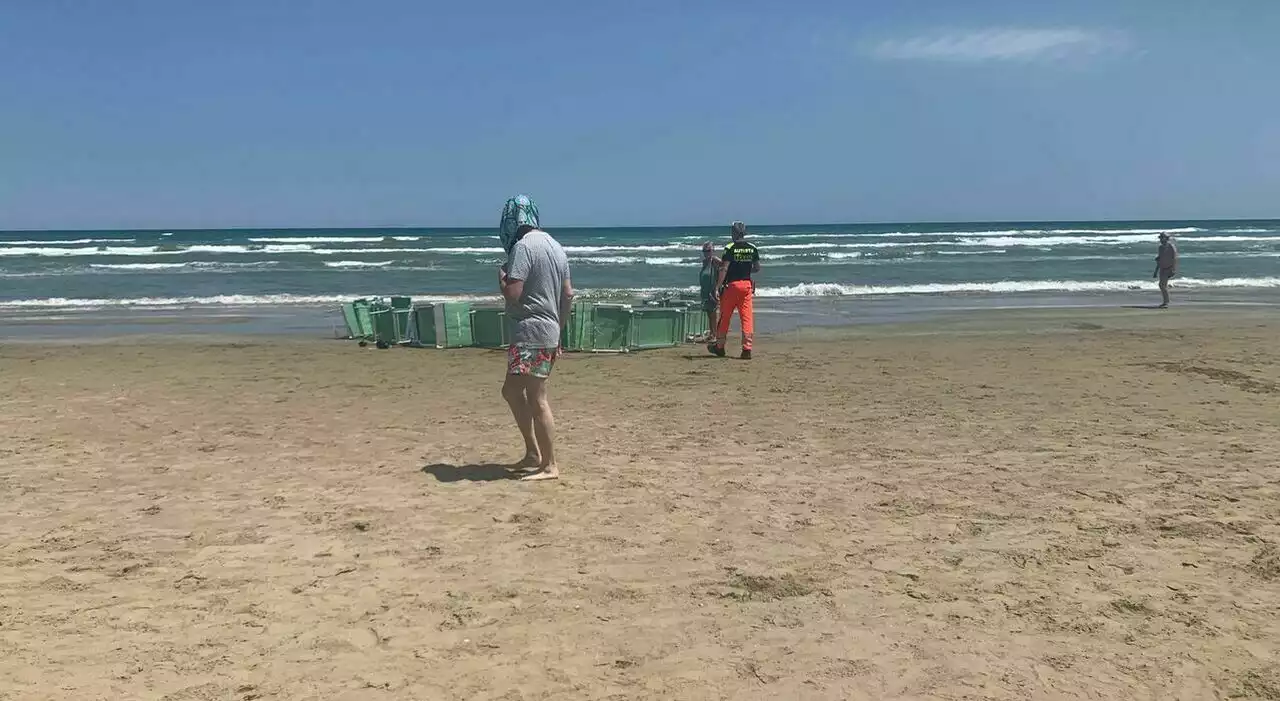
(511, 289)
(511, 282)
(755, 260)
(566, 301)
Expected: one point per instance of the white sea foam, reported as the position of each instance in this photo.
(315, 239)
(86, 251)
(137, 266)
(985, 232)
(228, 265)
(801, 290)
(227, 248)
(627, 260)
(220, 300)
(821, 246)
(1181, 230)
(89, 251)
(196, 265)
(213, 301)
(642, 248)
(1050, 241)
(1095, 240)
(357, 264)
(331, 239)
(1007, 287)
(1229, 239)
(379, 251)
(62, 242)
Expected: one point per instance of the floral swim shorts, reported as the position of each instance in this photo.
(522, 360)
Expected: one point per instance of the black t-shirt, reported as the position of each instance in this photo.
(740, 257)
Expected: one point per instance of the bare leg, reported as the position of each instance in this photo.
(711, 323)
(1164, 291)
(513, 390)
(544, 426)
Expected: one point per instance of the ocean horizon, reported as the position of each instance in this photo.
(248, 267)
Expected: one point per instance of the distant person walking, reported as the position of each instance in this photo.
(535, 285)
(740, 261)
(708, 278)
(1166, 267)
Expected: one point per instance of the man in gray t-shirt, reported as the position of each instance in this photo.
(533, 319)
(535, 285)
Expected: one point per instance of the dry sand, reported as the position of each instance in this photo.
(1008, 508)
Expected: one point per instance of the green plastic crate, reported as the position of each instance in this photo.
(384, 325)
(695, 322)
(351, 320)
(489, 327)
(363, 321)
(619, 328)
(575, 334)
(403, 320)
(608, 328)
(656, 327)
(444, 325)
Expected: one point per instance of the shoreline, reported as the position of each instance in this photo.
(774, 315)
(780, 319)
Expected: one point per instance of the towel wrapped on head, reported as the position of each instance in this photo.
(520, 211)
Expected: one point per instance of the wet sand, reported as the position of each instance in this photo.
(1028, 505)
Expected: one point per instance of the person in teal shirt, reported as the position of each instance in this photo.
(707, 279)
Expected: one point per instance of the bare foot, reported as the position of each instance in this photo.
(529, 460)
(546, 472)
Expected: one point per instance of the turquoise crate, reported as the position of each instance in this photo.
(359, 323)
(695, 321)
(489, 327)
(608, 328)
(444, 325)
(597, 327)
(352, 321)
(384, 326)
(656, 327)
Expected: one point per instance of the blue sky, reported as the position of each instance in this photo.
(177, 113)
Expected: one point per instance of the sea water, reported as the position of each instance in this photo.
(49, 275)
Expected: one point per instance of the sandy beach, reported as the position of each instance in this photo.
(1082, 504)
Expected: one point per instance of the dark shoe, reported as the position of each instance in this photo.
(715, 350)
(746, 354)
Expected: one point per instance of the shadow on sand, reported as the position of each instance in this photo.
(484, 472)
(1143, 306)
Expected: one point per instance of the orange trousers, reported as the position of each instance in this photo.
(737, 295)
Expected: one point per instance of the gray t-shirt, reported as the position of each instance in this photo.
(534, 320)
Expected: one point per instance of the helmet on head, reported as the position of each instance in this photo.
(520, 211)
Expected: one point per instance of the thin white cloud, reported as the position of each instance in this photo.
(1000, 45)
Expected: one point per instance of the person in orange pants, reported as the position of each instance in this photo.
(740, 261)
